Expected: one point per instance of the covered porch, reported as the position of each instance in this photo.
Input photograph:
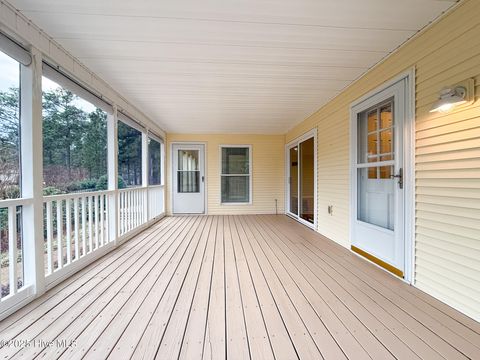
(257, 286)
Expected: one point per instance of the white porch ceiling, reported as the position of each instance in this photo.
(221, 66)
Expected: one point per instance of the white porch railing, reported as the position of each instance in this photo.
(75, 225)
(155, 201)
(132, 208)
(77, 228)
(12, 281)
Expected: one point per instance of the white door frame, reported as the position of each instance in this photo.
(408, 166)
(205, 161)
(306, 136)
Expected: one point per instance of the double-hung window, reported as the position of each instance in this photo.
(236, 173)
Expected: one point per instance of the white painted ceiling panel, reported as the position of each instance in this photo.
(230, 66)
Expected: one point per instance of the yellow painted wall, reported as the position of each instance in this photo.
(268, 157)
(447, 157)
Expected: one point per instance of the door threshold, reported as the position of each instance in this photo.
(303, 222)
(377, 261)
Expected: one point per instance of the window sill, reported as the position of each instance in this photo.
(237, 203)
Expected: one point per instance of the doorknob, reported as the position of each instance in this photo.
(203, 178)
(399, 176)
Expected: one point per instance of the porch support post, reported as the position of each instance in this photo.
(112, 159)
(163, 173)
(32, 172)
(145, 171)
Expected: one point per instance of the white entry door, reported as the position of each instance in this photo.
(188, 178)
(377, 178)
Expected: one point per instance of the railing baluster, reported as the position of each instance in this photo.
(102, 222)
(141, 201)
(138, 208)
(90, 225)
(146, 202)
(95, 197)
(135, 208)
(76, 220)
(146, 206)
(84, 226)
(59, 234)
(12, 248)
(124, 215)
(68, 219)
(141, 212)
(50, 237)
(132, 209)
(128, 208)
(120, 212)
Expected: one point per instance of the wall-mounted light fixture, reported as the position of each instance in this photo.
(450, 97)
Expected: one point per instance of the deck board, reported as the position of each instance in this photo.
(237, 287)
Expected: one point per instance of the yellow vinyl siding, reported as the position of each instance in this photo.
(268, 171)
(447, 160)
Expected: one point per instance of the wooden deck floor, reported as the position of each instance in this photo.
(259, 287)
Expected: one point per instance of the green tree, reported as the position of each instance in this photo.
(129, 154)
(63, 130)
(9, 142)
(94, 146)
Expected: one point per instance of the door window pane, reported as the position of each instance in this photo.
(376, 196)
(372, 121)
(188, 181)
(188, 160)
(188, 173)
(386, 117)
(375, 137)
(154, 162)
(235, 174)
(372, 144)
(307, 180)
(386, 141)
(294, 180)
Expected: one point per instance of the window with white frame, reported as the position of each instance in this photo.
(236, 173)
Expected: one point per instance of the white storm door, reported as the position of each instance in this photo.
(188, 178)
(377, 174)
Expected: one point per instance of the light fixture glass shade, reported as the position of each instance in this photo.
(449, 98)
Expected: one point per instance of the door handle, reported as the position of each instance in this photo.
(203, 178)
(399, 176)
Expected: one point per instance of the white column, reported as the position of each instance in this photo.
(112, 150)
(145, 170)
(163, 173)
(32, 172)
